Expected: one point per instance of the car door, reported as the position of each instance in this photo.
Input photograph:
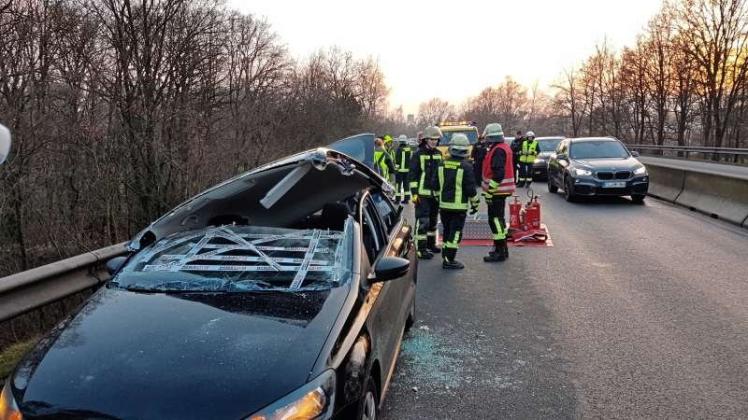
(386, 320)
(561, 162)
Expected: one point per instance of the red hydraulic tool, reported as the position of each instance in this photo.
(524, 220)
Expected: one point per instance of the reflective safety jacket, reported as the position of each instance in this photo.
(498, 171)
(423, 174)
(383, 163)
(457, 189)
(528, 151)
(402, 158)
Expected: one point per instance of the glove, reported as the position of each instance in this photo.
(414, 198)
(474, 202)
(493, 186)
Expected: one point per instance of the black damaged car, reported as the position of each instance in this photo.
(283, 293)
(593, 166)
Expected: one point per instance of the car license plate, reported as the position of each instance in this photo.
(614, 185)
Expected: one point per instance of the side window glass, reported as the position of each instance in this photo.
(386, 211)
(374, 238)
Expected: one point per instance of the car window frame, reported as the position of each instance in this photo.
(368, 208)
(395, 214)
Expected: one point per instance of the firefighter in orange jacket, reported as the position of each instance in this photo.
(498, 184)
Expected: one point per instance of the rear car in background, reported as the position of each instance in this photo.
(546, 146)
(450, 128)
(597, 166)
(281, 293)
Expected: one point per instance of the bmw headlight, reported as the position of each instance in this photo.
(8, 407)
(642, 170)
(314, 400)
(582, 172)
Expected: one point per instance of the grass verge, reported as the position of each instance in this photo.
(12, 354)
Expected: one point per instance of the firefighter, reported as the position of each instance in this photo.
(528, 151)
(382, 160)
(403, 153)
(498, 184)
(477, 155)
(457, 193)
(515, 146)
(424, 187)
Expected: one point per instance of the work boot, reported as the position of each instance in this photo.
(497, 255)
(431, 245)
(452, 265)
(505, 249)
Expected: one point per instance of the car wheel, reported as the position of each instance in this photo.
(551, 188)
(369, 407)
(637, 199)
(568, 194)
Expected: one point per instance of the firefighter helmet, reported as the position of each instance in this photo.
(494, 133)
(530, 134)
(432, 132)
(459, 145)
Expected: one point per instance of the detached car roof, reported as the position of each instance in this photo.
(278, 193)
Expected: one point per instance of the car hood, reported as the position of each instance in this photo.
(545, 155)
(149, 356)
(609, 164)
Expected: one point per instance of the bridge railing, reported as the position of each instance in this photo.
(732, 155)
(32, 289)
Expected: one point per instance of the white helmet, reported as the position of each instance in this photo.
(530, 134)
(403, 139)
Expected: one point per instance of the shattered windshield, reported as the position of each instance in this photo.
(241, 259)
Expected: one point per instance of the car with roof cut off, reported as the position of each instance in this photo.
(281, 293)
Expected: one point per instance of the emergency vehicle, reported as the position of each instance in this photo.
(450, 128)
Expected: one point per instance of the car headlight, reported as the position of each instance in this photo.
(582, 172)
(314, 400)
(539, 161)
(640, 171)
(8, 407)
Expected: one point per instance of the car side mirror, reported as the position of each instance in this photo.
(4, 143)
(113, 265)
(634, 153)
(390, 268)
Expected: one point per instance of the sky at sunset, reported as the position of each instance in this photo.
(453, 50)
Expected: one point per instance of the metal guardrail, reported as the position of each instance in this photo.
(720, 154)
(28, 290)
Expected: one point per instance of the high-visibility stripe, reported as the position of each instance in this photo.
(422, 190)
(501, 234)
(456, 203)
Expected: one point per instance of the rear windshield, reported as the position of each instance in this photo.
(548, 145)
(472, 135)
(241, 259)
(604, 149)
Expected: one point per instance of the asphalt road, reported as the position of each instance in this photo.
(636, 312)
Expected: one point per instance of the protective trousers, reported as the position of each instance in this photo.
(496, 217)
(427, 214)
(525, 172)
(453, 223)
(402, 190)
